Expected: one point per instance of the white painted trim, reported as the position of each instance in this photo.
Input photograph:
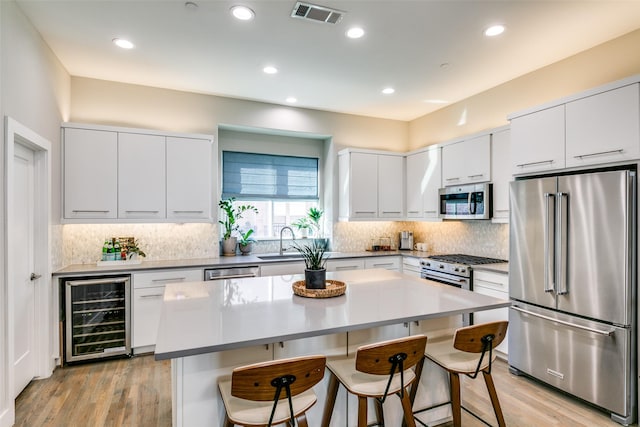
(46, 316)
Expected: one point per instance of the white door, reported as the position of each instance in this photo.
(23, 285)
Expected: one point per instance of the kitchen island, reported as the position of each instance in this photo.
(207, 328)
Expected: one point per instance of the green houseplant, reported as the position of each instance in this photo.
(315, 258)
(314, 216)
(303, 225)
(245, 243)
(230, 223)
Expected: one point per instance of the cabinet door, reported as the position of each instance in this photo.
(390, 187)
(467, 162)
(363, 191)
(90, 174)
(147, 305)
(538, 141)
(424, 179)
(141, 176)
(501, 173)
(604, 128)
(285, 268)
(189, 178)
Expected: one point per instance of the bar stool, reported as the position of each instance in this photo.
(377, 371)
(470, 352)
(272, 393)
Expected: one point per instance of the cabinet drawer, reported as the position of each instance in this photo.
(161, 278)
(496, 281)
(345, 264)
(388, 262)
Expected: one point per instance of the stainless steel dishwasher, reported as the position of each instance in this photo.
(231, 272)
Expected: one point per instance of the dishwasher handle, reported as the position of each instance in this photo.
(231, 273)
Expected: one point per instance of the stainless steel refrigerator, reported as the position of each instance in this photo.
(572, 279)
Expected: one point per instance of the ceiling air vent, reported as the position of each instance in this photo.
(316, 13)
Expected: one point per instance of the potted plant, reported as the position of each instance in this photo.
(133, 250)
(245, 243)
(230, 223)
(315, 258)
(314, 216)
(303, 225)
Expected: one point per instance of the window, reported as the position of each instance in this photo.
(282, 187)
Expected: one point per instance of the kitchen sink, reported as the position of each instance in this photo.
(271, 257)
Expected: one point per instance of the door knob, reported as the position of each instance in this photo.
(35, 276)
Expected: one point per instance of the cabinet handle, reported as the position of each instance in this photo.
(413, 212)
(600, 153)
(501, 210)
(453, 179)
(363, 212)
(430, 212)
(383, 264)
(142, 211)
(405, 324)
(390, 212)
(151, 296)
(281, 344)
(347, 267)
(171, 279)
(188, 211)
(524, 165)
(88, 211)
(478, 175)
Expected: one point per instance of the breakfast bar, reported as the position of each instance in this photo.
(208, 328)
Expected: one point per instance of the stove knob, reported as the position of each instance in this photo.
(456, 269)
(441, 265)
(463, 270)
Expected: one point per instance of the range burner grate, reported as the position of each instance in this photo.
(466, 259)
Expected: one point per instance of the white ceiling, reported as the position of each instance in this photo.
(206, 50)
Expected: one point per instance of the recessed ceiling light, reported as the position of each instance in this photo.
(270, 70)
(355, 33)
(494, 30)
(125, 44)
(292, 100)
(388, 90)
(242, 13)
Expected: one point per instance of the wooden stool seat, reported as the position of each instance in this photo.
(377, 371)
(469, 353)
(271, 393)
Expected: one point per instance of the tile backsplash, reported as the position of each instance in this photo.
(82, 243)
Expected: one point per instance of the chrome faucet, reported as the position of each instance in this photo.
(293, 236)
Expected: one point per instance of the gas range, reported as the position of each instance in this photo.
(451, 269)
(457, 264)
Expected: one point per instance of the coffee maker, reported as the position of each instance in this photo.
(406, 240)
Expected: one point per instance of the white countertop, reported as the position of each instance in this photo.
(205, 317)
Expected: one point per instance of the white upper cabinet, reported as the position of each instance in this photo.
(501, 173)
(136, 175)
(467, 161)
(189, 180)
(537, 141)
(596, 127)
(371, 185)
(141, 176)
(424, 179)
(604, 128)
(90, 174)
(390, 186)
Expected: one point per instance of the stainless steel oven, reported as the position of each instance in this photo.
(454, 270)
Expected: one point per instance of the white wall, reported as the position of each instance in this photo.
(35, 91)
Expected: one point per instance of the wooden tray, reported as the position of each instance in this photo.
(334, 288)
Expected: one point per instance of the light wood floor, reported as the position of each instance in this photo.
(136, 392)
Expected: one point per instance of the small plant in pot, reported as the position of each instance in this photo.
(245, 243)
(303, 225)
(315, 215)
(230, 223)
(315, 258)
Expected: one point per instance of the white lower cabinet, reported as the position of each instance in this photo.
(411, 266)
(282, 268)
(494, 285)
(148, 290)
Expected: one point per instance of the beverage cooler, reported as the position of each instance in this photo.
(97, 318)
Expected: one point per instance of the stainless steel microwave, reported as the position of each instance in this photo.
(473, 201)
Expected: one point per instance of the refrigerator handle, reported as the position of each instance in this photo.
(562, 245)
(607, 332)
(549, 233)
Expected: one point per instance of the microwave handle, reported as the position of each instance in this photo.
(472, 202)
